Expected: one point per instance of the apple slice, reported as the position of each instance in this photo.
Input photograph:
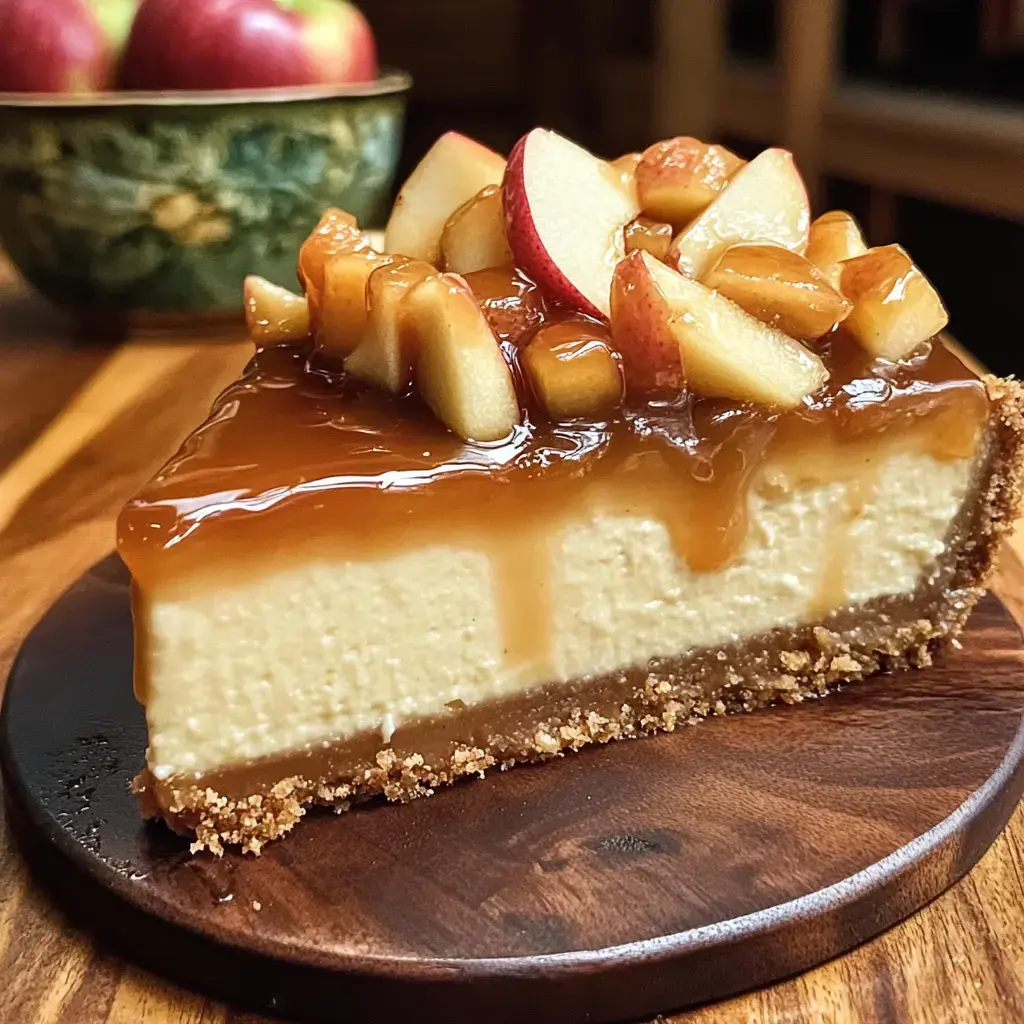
(573, 371)
(895, 307)
(652, 362)
(474, 236)
(730, 354)
(273, 314)
(343, 310)
(387, 352)
(835, 236)
(652, 236)
(461, 372)
(678, 178)
(565, 215)
(454, 170)
(764, 202)
(780, 288)
(337, 232)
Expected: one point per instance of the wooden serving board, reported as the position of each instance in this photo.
(611, 885)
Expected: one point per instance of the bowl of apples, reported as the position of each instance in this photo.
(154, 152)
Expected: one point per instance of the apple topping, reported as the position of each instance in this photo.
(387, 352)
(652, 361)
(343, 310)
(573, 370)
(453, 171)
(835, 236)
(565, 215)
(895, 307)
(336, 233)
(461, 371)
(512, 303)
(678, 178)
(780, 288)
(765, 201)
(730, 354)
(474, 235)
(652, 236)
(625, 167)
(273, 314)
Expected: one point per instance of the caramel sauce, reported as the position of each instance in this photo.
(294, 462)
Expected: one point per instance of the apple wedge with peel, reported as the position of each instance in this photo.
(474, 236)
(765, 201)
(460, 370)
(343, 312)
(730, 354)
(652, 361)
(573, 371)
(835, 236)
(895, 307)
(676, 179)
(273, 314)
(387, 352)
(454, 170)
(565, 218)
(780, 288)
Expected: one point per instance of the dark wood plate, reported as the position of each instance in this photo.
(627, 880)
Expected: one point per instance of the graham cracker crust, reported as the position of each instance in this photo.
(255, 803)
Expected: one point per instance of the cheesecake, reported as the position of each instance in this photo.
(585, 450)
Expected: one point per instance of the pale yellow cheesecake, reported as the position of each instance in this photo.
(487, 498)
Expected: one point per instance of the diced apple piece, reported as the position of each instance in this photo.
(625, 167)
(337, 232)
(780, 288)
(765, 201)
(461, 371)
(273, 314)
(513, 304)
(652, 236)
(652, 361)
(565, 215)
(895, 307)
(678, 178)
(474, 236)
(343, 312)
(454, 170)
(573, 370)
(387, 353)
(835, 236)
(730, 354)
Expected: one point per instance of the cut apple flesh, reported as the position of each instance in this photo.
(730, 354)
(573, 371)
(834, 237)
(764, 202)
(454, 170)
(895, 307)
(336, 233)
(474, 236)
(678, 178)
(652, 236)
(343, 305)
(565, 215)
(273, 314)
(460, 371)
(780, 288)
(386, 354)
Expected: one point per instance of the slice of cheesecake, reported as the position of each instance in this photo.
(501, 516)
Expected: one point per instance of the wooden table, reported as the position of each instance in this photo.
(81, 426)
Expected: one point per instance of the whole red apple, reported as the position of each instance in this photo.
(62, 45)
(247, 44)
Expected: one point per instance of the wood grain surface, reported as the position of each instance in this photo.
(961, 959)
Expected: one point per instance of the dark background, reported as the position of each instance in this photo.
(592, 68)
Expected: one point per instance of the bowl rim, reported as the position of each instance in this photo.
(389, 81)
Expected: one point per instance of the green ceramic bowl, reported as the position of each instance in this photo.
(134, 203)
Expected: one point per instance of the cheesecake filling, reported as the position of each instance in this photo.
(406, 572)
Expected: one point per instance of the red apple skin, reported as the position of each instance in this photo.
(247, 44)
(61, 45)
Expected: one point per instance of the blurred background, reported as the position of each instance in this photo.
(909, 113)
